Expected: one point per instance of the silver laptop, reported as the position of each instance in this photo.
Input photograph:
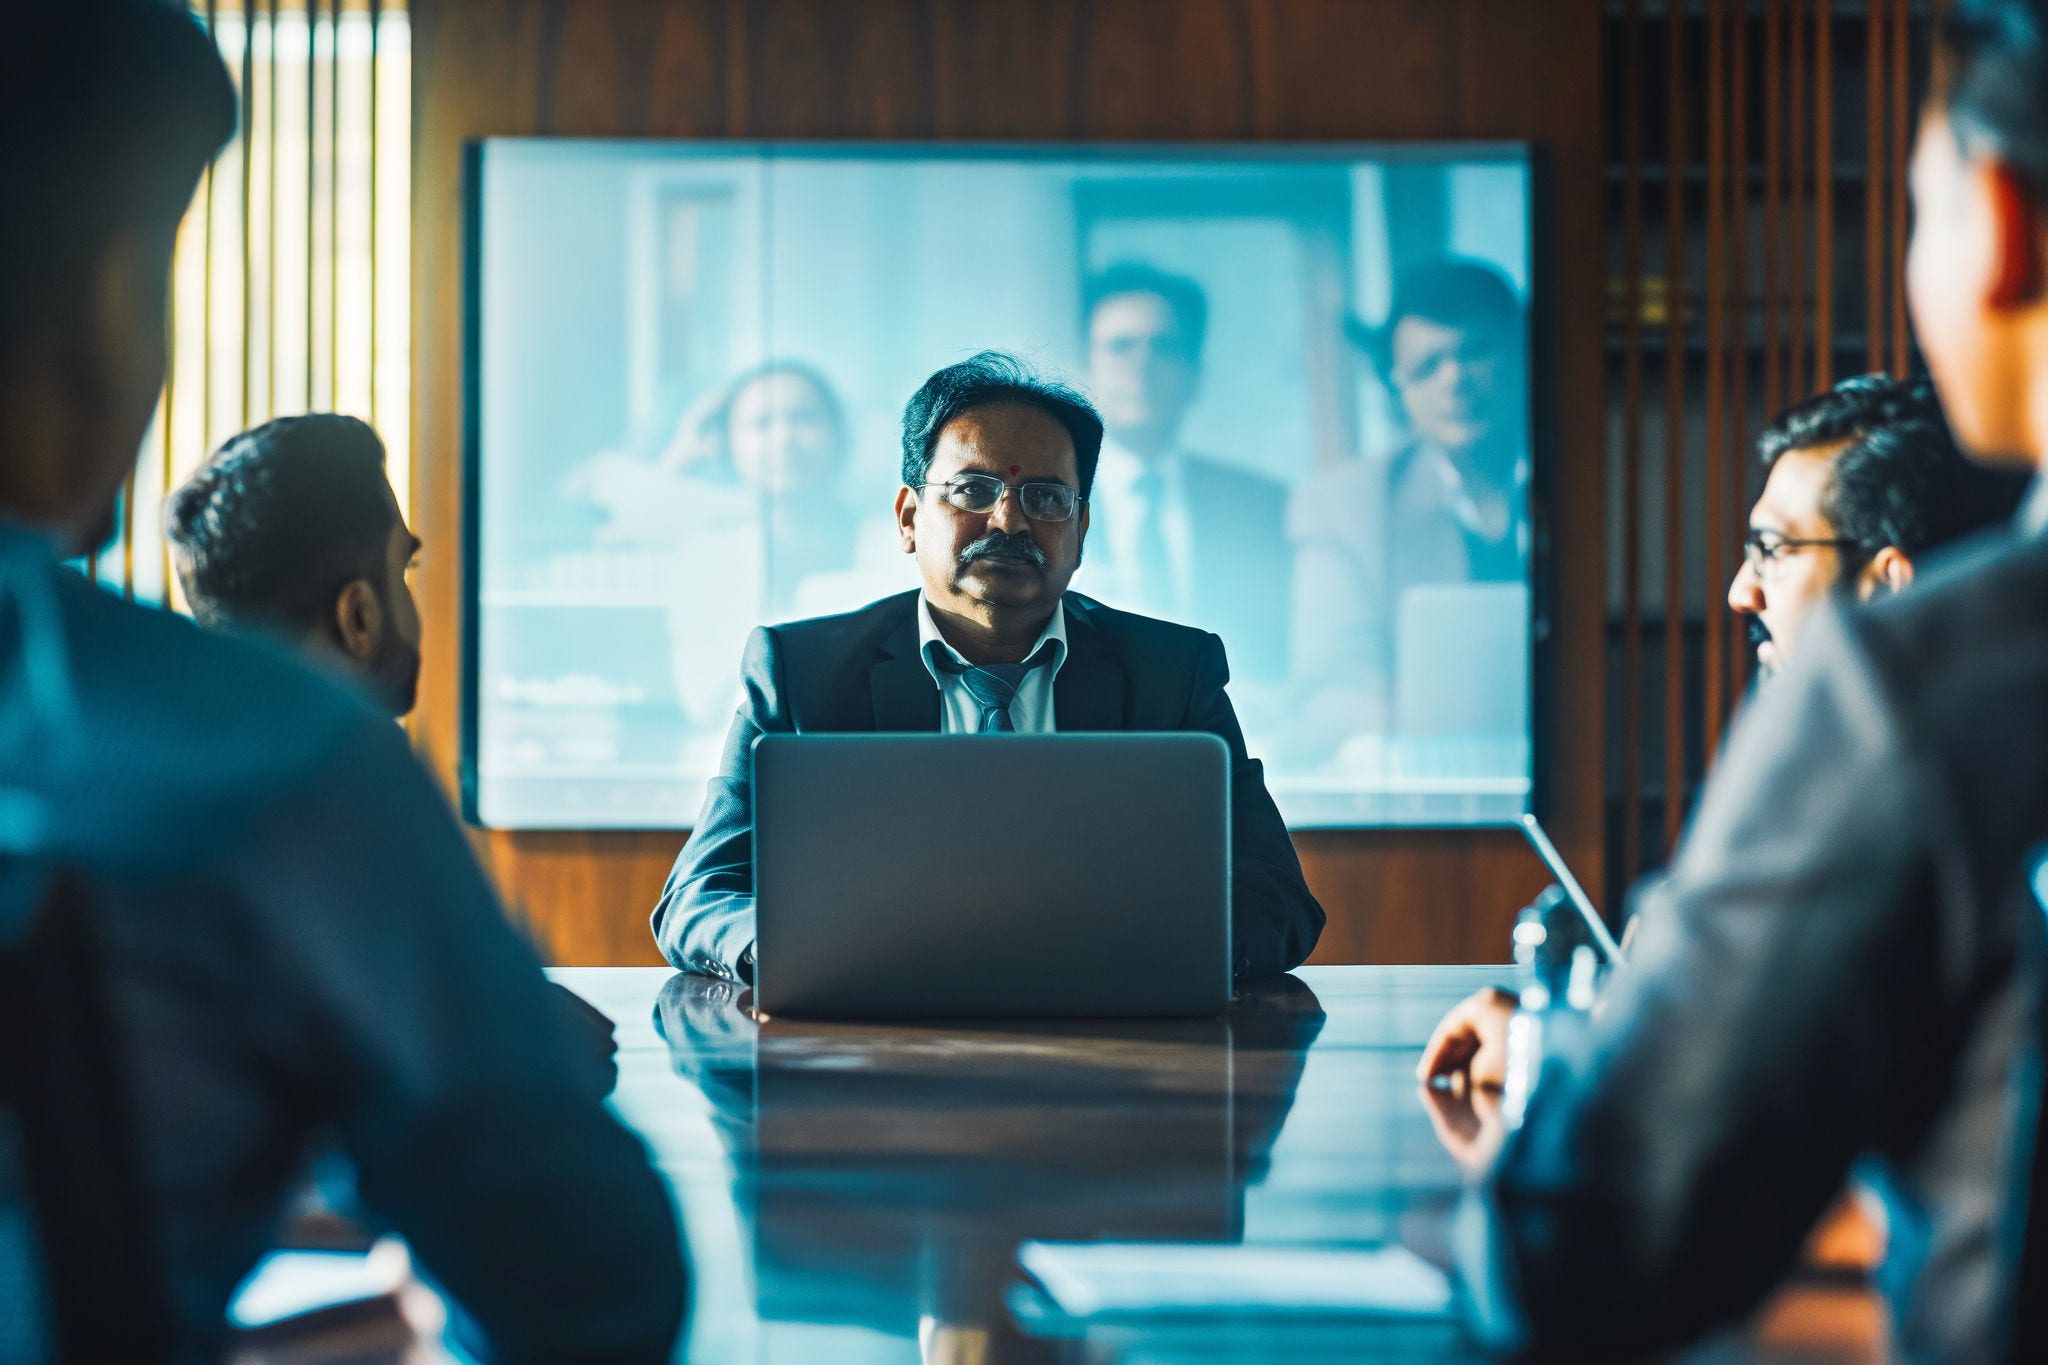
(985, 876)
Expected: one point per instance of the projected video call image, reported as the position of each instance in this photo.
(1312, 366)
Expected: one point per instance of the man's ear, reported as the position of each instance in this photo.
(1888, 571)
(906, 518)
(359, 620)
(2017, 273)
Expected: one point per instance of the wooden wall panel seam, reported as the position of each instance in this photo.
(1901, 99)
(1632, 447)
(1717, 306)
(1676, 322)
(1824, 195)
(1737, 491)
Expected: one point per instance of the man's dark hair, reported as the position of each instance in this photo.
(993, 377)
(1901, 481)
(109, 110)
(1183, 296)
(1992, 81)
(1456, 291)
(268, 532)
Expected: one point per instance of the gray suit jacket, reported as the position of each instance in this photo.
(861, 672)
(1842, 965)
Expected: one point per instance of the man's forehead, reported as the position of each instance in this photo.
(1007, 439)
(1419, 332)
(1795, 490)
(1135, 310)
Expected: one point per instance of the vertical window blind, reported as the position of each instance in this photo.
(290, 291)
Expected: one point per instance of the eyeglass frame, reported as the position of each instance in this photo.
(976, 476)
(1758, 554)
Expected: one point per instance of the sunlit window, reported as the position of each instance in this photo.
(291, 288)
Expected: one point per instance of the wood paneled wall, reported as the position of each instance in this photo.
(1757, 153)
(1058, 70)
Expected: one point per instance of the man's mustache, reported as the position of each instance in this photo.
(1003, 545)
(1759, 633)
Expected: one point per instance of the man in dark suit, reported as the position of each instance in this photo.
(300, 952)
(997, 465)
(1847, 960)
(1181, 535)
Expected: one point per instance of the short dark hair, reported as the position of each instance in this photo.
(1183, 296)
(993, 377)
(109, 111)
(269, 531)
(1457, 291)
(1901, 481)
(1992, 81)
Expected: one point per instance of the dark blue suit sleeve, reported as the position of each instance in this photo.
(704, 921)
(1274, 921)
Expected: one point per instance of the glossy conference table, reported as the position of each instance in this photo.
(855, 1193)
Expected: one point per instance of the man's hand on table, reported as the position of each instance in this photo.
(1471, 1044)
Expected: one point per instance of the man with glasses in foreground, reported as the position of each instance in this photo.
(1846, 960)
(1865, 482)
(997, 465)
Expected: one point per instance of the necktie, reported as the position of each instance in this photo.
(1154, 589)
(993, 688)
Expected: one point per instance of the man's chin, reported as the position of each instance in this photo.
(1769, 661)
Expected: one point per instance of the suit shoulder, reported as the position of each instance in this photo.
(1960, 655)
(197, 731)
(1138, 637)
(883, 615)
(822, 646)
(152, 661)
(1983, 597)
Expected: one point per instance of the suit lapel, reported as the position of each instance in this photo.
(906, 699)
(1089, 692)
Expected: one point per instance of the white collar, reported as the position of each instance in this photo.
(1050, 644)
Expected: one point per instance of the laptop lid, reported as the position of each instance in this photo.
(1532, 829)
(984, 876)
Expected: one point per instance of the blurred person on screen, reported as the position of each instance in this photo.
(1448, 504)
(300, 949)
(1846, 964)
(997, 469)
(743, 488)
(778, 432)
(1180, 535)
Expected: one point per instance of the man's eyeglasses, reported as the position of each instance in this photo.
(1761, 551)
(1042, 500)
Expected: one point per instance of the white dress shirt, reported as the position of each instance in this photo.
(1030, 709)
(1118, 512)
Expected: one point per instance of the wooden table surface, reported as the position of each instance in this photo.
(856, 1193)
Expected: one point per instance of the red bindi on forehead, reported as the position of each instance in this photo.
(1016, 469)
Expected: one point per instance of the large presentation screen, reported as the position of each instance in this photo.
(689, 362)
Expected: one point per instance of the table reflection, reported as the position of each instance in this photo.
(885, 1174)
